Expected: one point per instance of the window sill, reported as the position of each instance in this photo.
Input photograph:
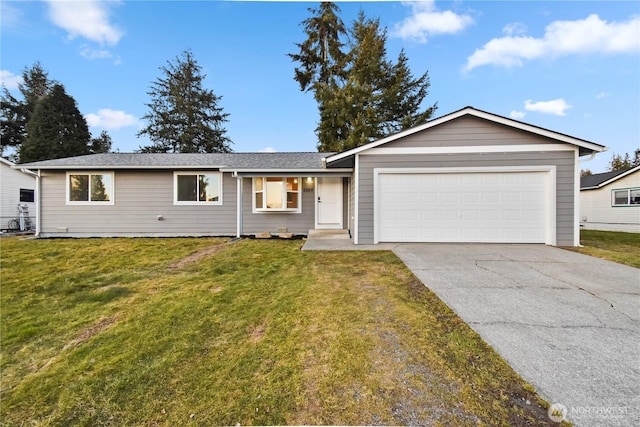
(277, 211)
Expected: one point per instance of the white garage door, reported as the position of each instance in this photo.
(490, 207)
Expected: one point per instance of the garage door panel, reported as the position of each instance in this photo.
(462, 207)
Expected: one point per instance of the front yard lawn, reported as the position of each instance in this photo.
(144, 332)
(615, 246)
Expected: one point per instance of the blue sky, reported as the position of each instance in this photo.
(570, 66)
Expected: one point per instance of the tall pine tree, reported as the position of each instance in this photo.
(321, 55)
(361, 95)
(16, 113)
(184, 117)
(55, 129)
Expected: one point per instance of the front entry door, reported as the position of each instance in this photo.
(329, 203)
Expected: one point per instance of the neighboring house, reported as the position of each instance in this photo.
(611, 201)
(469, 176)
(17, 186)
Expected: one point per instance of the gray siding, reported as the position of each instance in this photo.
(565, 173)
(466, 131)
(297, 223)
(140, 196)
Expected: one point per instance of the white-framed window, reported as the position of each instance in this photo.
(276, 194)
(197, 188)
(625, 197)
(90, 188)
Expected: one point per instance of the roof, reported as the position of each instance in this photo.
(20, 168)
(599, 180)
(223, 161)
(586, 147)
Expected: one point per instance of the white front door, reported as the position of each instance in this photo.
(329, 203)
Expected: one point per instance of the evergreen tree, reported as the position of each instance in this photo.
(403, 97)
(101, 143)
(56, 129)
(16, 113)
(619, 162)
(361, 95)
(183, 116)
(321, 57)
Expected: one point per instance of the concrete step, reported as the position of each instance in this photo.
(328, 234)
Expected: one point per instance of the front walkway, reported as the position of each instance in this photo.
(315, 244)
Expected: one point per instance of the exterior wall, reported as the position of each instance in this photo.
(11, 181)
(565, 181)
(596, 212)
(276, 222)
(139, 197)
(468, 131)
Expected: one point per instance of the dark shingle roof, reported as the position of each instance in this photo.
(596, 180)
(240, 161)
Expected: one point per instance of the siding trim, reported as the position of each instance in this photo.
(470, 149)
(238, 205)
(576, 199)
(356, 210)
(550, 188)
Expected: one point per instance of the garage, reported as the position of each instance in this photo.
(477, 205)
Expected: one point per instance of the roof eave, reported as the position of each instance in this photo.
(127, 167)
(281, 170)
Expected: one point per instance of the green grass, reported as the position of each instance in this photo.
(623, 248)
(103, 332)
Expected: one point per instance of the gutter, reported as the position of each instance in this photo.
(38, 203)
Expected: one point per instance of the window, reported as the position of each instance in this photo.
(276, 194)
(27, 196)
(626, 197)
(195, 188)
(90, 188)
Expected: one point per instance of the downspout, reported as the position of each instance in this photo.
(38, 203)
(238, 203)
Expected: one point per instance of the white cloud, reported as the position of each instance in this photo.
(268, 150)
(556, 107)
(602, 95)
(90, 53)
(10, 15)
(517, 115)
(514, 28)
(10, 80)
(427, 21)
(88, 19)
(561, 38)
(111, 119)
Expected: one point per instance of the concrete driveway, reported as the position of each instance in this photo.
(568, 323)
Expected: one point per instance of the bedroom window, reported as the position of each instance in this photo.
(90, 188)
(276, 194)
(625, 197)
(195, 188)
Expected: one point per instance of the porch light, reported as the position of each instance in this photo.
(309, 179)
